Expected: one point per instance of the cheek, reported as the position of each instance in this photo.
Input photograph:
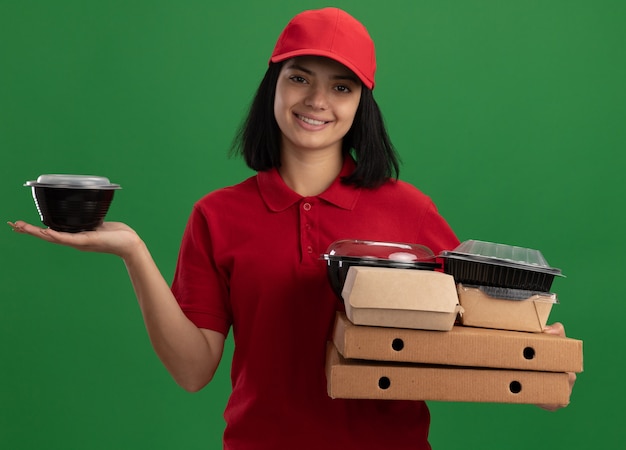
(279, 113)
(348, 113)
(278, 99)
(276, 109)
(281, 109)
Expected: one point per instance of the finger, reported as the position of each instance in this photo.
(572, 380)
(556, 328)
(25, 228)
(81, 240)
(47, 234)
(551, 408)
(15, 227)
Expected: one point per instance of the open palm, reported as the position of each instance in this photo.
(111, 237)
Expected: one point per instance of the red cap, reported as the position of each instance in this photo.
(332, 33)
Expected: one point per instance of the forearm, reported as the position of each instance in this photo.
(189, 354)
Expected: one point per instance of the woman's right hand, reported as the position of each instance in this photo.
(111, 237)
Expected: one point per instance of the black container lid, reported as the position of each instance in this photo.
(501, 255)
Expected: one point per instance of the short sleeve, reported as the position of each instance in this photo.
(199, 286)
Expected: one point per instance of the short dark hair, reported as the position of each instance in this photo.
(258, 138)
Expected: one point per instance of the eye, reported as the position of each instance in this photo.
(297, 79)
(342, 88)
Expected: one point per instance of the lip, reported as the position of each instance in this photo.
(302, 120)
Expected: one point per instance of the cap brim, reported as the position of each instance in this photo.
(317, 52)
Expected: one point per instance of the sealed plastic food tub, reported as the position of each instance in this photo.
(490, 264)
(345, 253)
(72, 203)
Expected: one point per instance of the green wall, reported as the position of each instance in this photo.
(509, 114)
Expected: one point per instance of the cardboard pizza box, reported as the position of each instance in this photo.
(461, 346)
(359, 379)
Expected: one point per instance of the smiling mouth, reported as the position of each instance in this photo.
(310, 121)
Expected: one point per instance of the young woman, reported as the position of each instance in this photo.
(250, 255)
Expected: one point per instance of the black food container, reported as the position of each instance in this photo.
(482, 263)
(345, 253)
(72, 203)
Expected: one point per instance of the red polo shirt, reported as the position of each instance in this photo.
(250, 260)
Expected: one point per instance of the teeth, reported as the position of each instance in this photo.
(311, 121)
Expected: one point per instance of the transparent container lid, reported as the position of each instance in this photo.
(501, 254)
(72, 182)
(389, 251)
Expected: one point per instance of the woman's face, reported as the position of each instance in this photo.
(316, 100)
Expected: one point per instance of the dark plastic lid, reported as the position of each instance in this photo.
(374, 250)
(72, 182)
(501, 255)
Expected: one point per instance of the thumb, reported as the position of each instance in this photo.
(556, 328)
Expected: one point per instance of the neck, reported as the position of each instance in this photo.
(310, 174)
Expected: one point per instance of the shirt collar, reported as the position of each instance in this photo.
(278, 196)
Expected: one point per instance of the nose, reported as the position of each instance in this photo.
(317, 98)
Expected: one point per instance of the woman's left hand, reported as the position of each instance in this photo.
(558, 330)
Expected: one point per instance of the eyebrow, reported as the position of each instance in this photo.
(349, 77)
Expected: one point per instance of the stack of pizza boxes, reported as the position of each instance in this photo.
(469, 333)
